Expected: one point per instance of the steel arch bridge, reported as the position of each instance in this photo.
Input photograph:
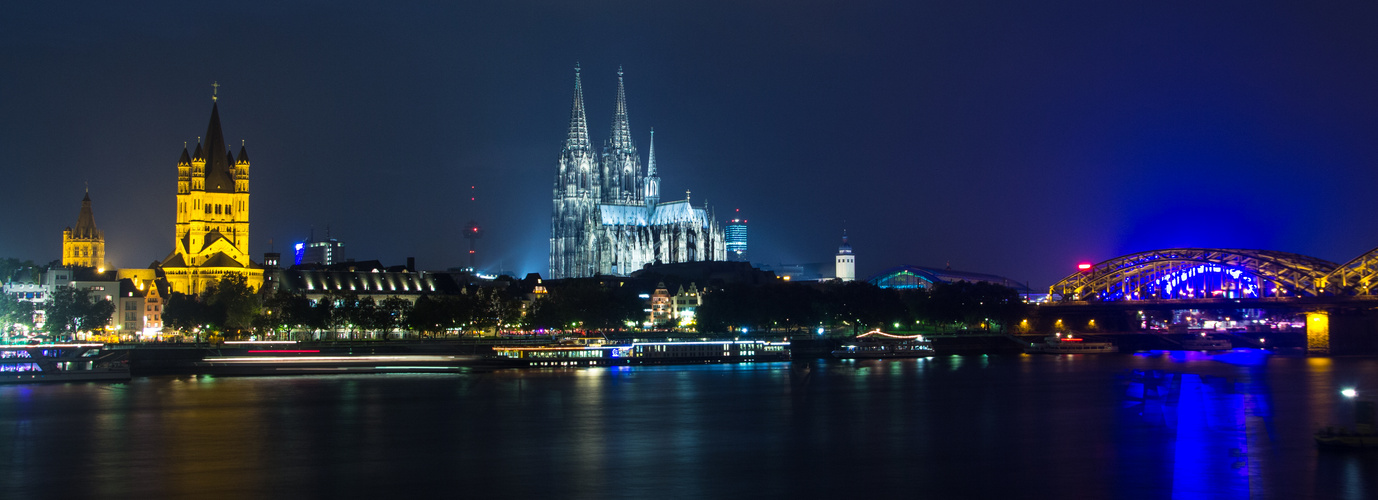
(1194, 273)
(1356, 277)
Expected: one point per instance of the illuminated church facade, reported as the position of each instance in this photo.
(83, 244)
(211, 237)
(608, 218)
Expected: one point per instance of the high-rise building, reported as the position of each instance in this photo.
(608, 218)
(324, 252)
(736, 238)
(83, 244)
(211, 237)
(846, 261)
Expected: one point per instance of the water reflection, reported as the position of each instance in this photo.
(1151, 426)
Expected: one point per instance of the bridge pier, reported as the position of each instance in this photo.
(1318, 333)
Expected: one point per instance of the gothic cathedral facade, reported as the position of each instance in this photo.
(212, 232)
(608, 218)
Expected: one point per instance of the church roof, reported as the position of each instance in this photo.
(675, 212)
(219, 169)
(213, 236)
(86, 222)
(243, 156)
(221, 260)
(174, 260)
(185, 159)
(624, 215)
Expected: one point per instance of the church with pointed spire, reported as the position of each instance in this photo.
(211, 235)
(608, 217)
(84, 245)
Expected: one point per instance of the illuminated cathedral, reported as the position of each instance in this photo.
(608, 218)
(212, 231)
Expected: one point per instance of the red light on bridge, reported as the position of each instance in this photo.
(1084, 266)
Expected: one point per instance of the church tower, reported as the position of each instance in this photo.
(83, 244)
(578, 189)
(652, 180)
(621, 163)
(211, 235)
(846, 261)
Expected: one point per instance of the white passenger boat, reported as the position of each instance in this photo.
(20, 364)
(1206, 343)
(1068, 344)
(641, 353)
(876, 344)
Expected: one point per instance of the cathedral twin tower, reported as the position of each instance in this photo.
(608, 218)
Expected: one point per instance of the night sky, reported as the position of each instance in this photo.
(1014, 138)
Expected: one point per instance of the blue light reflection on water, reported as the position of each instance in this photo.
(1238, 356)
(949, 426)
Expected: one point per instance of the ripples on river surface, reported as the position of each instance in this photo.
(1159, 425)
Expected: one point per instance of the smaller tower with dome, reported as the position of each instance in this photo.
(846, 261)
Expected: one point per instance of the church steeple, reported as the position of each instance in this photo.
(621, 136)
(84, 244)
(652, 180)
(578, 122)
(219, 166)
(622, 177)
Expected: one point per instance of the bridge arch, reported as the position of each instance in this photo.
(1359, 276)
(1168, 274)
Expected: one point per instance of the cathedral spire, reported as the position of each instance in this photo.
(578, 121)
(652, 180)
(621, 137)
(651, 155)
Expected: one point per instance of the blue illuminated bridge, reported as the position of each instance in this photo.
(1188, 274)
(1184, 286)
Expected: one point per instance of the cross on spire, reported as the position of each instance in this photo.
(215, 90)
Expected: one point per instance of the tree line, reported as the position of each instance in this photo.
(230, 308)
(859, 306)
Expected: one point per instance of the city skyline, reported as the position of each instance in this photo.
(1016, 141)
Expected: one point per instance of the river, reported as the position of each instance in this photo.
(1016, 426)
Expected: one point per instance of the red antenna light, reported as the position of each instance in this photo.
(1084, 266)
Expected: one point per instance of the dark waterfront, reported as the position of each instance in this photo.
(947, 427)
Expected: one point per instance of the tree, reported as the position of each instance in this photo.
(233, 302)
(14, 313)
(69, 310)
(395, 313)
(186, 314)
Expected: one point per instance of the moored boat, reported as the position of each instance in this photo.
(21, 364)
(1060, 344)
(639, 353)
(1206, 343)
(1330, 437)
(876, 344)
